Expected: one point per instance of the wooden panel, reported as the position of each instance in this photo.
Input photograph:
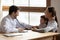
(27, 9)
(5, 8)
(33, 9)
(48, 3)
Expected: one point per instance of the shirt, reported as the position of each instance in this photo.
(10, 25)
(52, 25)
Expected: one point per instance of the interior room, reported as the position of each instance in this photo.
(30, 12)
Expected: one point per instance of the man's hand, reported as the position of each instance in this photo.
(20, 29)
(34, 28)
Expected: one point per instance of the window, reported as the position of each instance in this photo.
(7, 2)
(30, 12)
(35, 18)
(32, 3)
(38, 3)
(21, 2)
(5, 13)
(23, 17)
(32, 19)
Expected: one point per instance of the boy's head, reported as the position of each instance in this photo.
(43, 19)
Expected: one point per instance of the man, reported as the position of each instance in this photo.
(10, 23)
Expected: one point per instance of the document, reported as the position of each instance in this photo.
(15, 34)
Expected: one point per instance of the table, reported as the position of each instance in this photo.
(30, 35)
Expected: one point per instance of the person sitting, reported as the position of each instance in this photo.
(43, 24)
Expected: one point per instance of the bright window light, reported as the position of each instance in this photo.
(7, 2)
(21, 2)
(32, 3)
(23, 17)
(38, 3)
(35, 18)
(5, 13)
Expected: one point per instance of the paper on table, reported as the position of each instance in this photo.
(12, 34)
(15, 34)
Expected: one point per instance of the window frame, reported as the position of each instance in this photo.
(30, 9)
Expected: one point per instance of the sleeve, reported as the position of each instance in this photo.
(22, 25)
(26, 25)
(18, 25)
(7, 27)
(52, 26)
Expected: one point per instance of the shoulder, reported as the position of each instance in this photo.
(54, 23)
(6, 18)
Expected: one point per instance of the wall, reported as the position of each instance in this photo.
(56, 4)
(0, 11)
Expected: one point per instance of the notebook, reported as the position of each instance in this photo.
(12, 34)
(15, 34)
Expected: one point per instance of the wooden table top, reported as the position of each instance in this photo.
(28, 35)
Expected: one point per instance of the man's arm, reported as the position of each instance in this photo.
(22, 25)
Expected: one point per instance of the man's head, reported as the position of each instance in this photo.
(14, 11)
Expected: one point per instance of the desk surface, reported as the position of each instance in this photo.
(28, 35)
